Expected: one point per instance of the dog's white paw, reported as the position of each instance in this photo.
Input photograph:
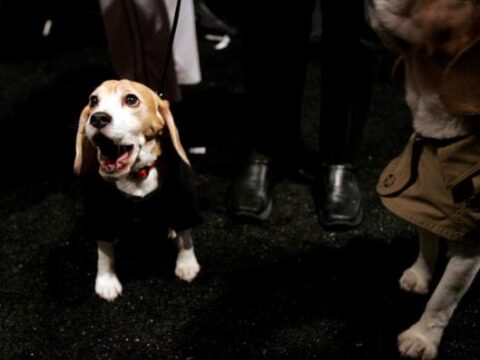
(187, 266)
(107, 286)
(412, 343)
(414, 281)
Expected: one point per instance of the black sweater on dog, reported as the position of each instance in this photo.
(110, 213)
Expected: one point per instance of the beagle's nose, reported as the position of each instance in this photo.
(100, 119)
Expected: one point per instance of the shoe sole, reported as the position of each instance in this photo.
(340, 225)
(252, 216)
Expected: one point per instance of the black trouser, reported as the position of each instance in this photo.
(276, 49)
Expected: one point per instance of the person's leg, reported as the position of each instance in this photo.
(348, 69)
(276, 39)
(137, 34)
(185, 57)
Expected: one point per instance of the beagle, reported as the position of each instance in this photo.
(137, 174)
(435, 182)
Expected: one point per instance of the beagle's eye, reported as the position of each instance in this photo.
(93, 101)
(131, 100)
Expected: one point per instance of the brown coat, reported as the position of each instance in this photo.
(435, 184)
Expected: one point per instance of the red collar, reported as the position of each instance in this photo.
(142, 174)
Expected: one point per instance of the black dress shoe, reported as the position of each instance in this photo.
(340, 203)
(250, 194)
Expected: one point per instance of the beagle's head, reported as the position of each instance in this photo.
(120, 130)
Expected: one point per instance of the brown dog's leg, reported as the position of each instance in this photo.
(417, 277)
(421, 339)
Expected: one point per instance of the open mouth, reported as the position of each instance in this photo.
(113, 157)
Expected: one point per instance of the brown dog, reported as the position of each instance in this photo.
(138, 173)
(435, 182)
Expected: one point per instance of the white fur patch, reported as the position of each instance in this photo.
(431, 119)
(139, 188)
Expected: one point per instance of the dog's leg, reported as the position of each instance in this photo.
(421, 340)
(187, 266)
(417, 277)
(107, 285)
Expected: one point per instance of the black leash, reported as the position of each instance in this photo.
(168, 57)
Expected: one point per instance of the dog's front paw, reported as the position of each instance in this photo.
(187, 266)
(414, 281)
(107, 286)
(412, 343)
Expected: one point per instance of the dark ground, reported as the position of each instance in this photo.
(285, 289)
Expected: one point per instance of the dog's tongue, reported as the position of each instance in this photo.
(116, 164)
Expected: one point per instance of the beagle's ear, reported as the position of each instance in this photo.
(460, 87)
(164, 109)
(85, 153)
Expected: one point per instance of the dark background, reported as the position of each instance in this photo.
(285, 289)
